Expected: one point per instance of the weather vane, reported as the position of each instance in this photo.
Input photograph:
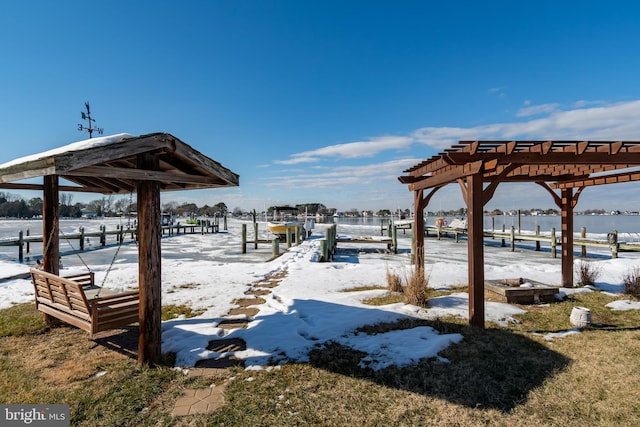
(87, 116)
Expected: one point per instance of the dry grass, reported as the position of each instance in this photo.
(394, 282)
(417, 288)
(499, 376)
(631, 282)
(587, 273)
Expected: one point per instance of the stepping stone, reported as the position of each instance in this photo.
(268, 284)
(199, 401)
(248, 311)
(258, 292)
(233, 324)
(226, 345)
(247, 302)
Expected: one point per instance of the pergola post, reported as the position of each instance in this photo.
(149, 264)
(567, 202)
(476, 249)
(418, 232)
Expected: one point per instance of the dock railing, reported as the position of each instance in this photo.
(552, 239)
(25, 239)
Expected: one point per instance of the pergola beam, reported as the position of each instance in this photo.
(447, 177)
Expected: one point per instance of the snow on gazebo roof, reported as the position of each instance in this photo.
(108, 165)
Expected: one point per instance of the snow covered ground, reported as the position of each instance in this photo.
(315, 302)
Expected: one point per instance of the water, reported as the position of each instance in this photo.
(596, 224)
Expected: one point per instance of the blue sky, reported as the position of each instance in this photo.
(324, 101)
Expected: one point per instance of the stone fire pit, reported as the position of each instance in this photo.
(521, 291)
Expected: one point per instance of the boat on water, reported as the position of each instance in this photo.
(280, 227)
(284, 219)
(290, 219)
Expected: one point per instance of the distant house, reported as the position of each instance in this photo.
(87, 214)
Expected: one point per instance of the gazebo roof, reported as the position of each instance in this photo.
(562, 164)
(108, 165)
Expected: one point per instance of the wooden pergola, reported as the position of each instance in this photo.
(121, 164)
(479, 166)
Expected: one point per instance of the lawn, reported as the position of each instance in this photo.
(502, 376)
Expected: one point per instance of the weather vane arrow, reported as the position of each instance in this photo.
(90, 128)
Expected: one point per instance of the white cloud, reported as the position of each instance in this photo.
(533, 110)
(345, 175)
(612, 121)
(351, 150)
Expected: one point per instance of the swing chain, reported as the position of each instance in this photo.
(77, 252)
(113, 260)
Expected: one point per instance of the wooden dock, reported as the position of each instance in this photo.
(552, 239)
(24, 240)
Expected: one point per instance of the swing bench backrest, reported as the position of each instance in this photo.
(77, 301)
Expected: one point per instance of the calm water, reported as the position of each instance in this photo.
(597, 224)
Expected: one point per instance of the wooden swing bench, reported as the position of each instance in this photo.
(78, 301)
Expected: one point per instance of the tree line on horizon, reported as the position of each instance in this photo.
(14, 206)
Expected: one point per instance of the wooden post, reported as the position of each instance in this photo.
(567, 237)
(476, 250)
(50, 226)
(149, 264)
(275, 247)
(289, 237)
(413, 246)
(554, 243)
(613, 243)
(418, 232)
(28, 243)
(512, 234)
(394, 239)
(244, 239)
(225, 222)
(20, 246)
(50, 231)
(519, 223)
(81, 238)
(493, 227)
(324, 252)
(255, 235)
(537, 234)
(583, 235)
(103, 235)
(503, 244)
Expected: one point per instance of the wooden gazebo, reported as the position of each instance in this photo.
(121, 164)
(479, 166)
